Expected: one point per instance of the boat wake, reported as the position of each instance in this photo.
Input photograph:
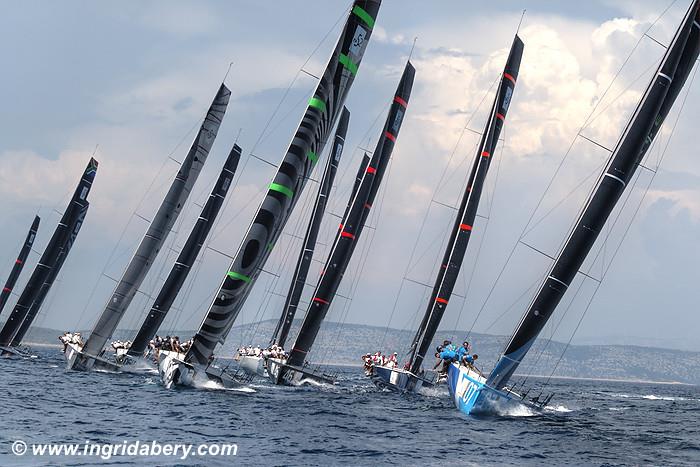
(435, 391)
(216, 386)
(557, 409)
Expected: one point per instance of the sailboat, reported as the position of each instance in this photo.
(294, 370)
(254, 362)
(321, 115)
(50, 263)
(180, 270)
(474, 393)
(84, 357)
(19, 263)
(412, 377)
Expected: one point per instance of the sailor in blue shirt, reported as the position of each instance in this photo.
(462, 351)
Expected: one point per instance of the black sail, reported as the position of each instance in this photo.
(301, 271)
(19, 263)
(158, 230)
(178, 274)
(76, 223)
(628, 154)
(353, 223)
(309, 140)
(50, 256)
(466, 215)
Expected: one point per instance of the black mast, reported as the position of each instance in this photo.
(50, 256)
(628, 154)
(19, 263)
(353, 223)
(462, 229)
(188, 255)
(301, 270)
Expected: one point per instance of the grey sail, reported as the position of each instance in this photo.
(634, 143)
(181, 269)
(320, 117)
(50, 257)
(301, 271)
(19, 263)
(159, 228)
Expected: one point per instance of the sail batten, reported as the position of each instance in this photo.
(321, 114)
(51, 259)
(466, 215)
(631, 148)
(301, 270)
(353, 223)
(180, 270)
(19, 263)
(159, 229)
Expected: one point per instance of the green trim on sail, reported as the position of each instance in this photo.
(270, 246)
(364, 16)
(317, 103)
(282, 189)
(313, 157)
(347, 63)
(238, 275)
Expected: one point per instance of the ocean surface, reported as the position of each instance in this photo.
(352, 423)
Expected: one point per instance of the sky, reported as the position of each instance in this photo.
(131, 81)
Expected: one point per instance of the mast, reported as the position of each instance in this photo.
(188, 255)
(19, 263)
(76, 222)
(353, 223)
(306, 254)
(628, 154)
(466, 215)
(49, 257)
(288, 183)
(160, 226)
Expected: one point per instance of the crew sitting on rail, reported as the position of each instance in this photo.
(368, 366)
(71, 338)
(447, 355)
(464, 350)
(116, 345)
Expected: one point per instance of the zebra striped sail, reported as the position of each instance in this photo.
(308, 142)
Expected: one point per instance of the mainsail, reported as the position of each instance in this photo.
(73, 229)
(320, 117)
(160, 226)
(19, 263)
(353, 223)
(301, 270)
(51, 256)
(188, 255)
(466, 215)
(628, 154)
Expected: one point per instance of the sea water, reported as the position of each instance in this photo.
(352, 423)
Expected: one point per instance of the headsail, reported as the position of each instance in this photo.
(353, 223)
(628, 154)
(188, 255)
(466, 215)
(50, 257)
(19, 263)
(160, 226)
(309, 140)
(301, 270)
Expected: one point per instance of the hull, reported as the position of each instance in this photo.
(282, 374)
(174, 372)
(472, 396)
(16, 352)
(255, 366)
(399, 380)
(79, 361)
